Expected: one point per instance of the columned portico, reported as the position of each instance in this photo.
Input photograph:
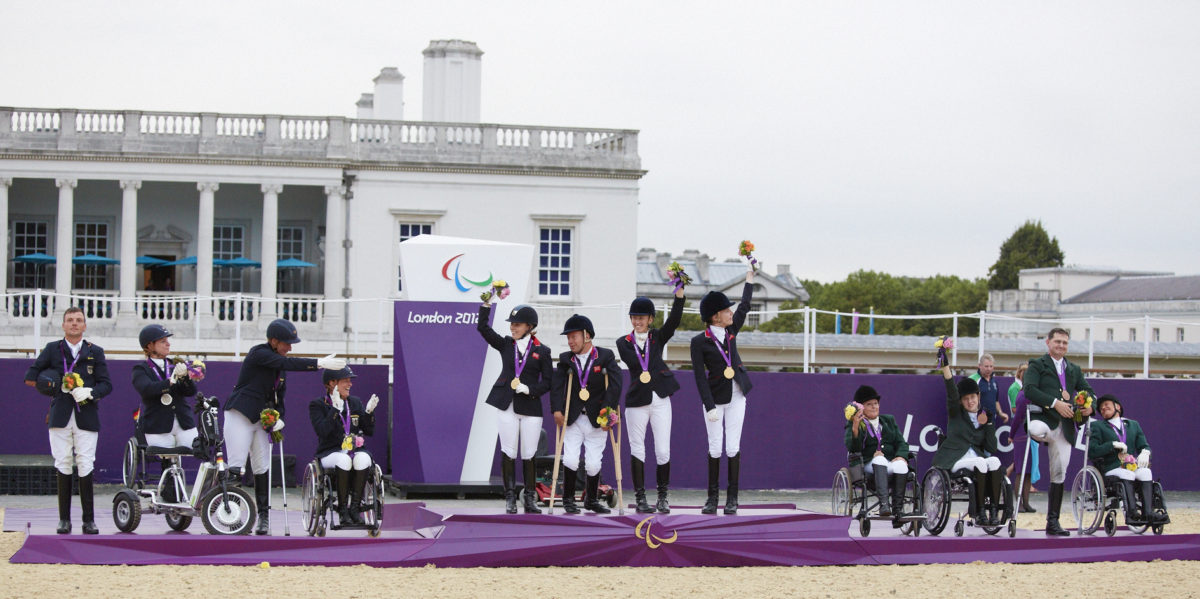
(128, 268)
(204, 251)
(335, 255)
(65, 238)
(270, 247)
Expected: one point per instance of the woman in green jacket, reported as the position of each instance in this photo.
(971, 445)
(877, 439)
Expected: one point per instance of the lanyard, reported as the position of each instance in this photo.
(643, 353)
(1119, 430)
(65, 350)
(584, 371)
(162, 374)
(877, 434)
(724, 348)
(519, 360)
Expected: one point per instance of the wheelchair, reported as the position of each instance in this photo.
(319, 496)
(942, 488)
(224, 509)
(853, 494)
(543, 461)
(1096, 498)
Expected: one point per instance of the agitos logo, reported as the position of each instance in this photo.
(458, 279)
(643, 531)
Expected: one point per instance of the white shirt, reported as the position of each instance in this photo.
(718, 333)
(874, 424)
(641, 339)
(1059, 364)
(75, 347)
(974, 418)
(526, 340)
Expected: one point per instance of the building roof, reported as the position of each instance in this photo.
(1141, 289)
(721, 275)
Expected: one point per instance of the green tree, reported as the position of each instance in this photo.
(1030, 246)
(689, 322)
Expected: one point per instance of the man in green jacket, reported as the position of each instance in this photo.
(1050, 384)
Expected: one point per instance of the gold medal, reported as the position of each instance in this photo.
(348, 442)
(584, 395)
(515, 383)
(728, 372)
(645, 377)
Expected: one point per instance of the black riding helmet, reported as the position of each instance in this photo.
(337, 375)
(151, 333)
(525, 314)
(578, 322)
(642, 306)
(283, 330)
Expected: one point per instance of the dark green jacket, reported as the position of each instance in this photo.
(961, 433)
(1042, 387)
(864, 444)
(1102, 436)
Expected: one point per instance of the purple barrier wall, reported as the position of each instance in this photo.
(23, 428)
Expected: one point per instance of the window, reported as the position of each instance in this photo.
(290, 245)
(1179, 335)
(91, 238)
(554, 262)
(1132, 334)
(229, 242)
(408, 231)
(29, 237)
(1109, 335)
(1155, 335)
(753, 319)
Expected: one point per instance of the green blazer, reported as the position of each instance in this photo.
(1042, 387)
(1102, 436)
(961, 433)
(864, 444)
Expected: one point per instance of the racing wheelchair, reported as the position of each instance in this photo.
(853, 494)
(224, 508)
(942, 487)
(318, 496)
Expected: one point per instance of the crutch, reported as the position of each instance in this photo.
(558, 445)
(616, 447)
(1087, 423)
(287, 532)
(1024, 464)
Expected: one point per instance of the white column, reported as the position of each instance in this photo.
(5, 183)
(129, 267)
(332, 318)
(270, 247)
(204, 248)
(65, 237)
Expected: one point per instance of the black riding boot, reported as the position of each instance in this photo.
(262, 496)
(1052, 508)
(881, 489)
(979, 487)
(358, 478)
(87, 502)
(996, 482)
(731, 489)
(1132, 513)
(639, 486)
(64, 503)
(530, 494)
(570, 479)
(897, 488)
(1151, 516)
(343, 500)
(714, 488)
(508, 472)
(663, 474)
(591, 497)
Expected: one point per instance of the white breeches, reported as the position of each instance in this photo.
(342, 460)
(729, 421)
(1123, 474)
(976, 462)
(243, 438)
(178, 437)
(1058, 448)
(591, 438)
(73, 447)
(658, 416)
(513, 426)
(896, 467)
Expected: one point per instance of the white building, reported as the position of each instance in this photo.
(338, 193)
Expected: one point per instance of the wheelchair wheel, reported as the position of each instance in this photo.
(1087, 499)
(1012, 528)
(864, 527)
(959, 528)
(228, 512)
(372, 502)
(840, 494)
(1110, 522)
(935, 494)
(127, 512)
(312, 501)
(129, 463)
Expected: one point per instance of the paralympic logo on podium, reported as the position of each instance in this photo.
(653, 541)
(460, 279)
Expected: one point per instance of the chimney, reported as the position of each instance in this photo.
(645, 254)
(663, 261)
(366, 106)
(388, 100)
(702, 268)
(452, 81)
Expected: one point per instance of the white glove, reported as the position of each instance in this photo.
(523, 389)
(1144, 459)
(278, 426)
(1119, 446)
(81, 394)
(337, 403)
(179, 373)
(713, 415)
(371, 403)
(331, 362)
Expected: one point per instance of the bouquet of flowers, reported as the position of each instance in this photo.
(1082, 400)
(677, 276)
(499, 289)
(943, 344)
(851, 409)
(195, 368)
(269, 418)
(70, 381)
(745, 249)
(352, 442)
(605, 413)
(1129, 462)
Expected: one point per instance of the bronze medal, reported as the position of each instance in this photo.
(728, 372)
(645, 377)
(515, 383)
(584, 395)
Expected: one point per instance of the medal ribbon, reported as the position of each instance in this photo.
(1119, 430)
(162, 374)
(65, 350)
(1062, 376)
(643, 353)
(519, 360)
(877, 434)
(724, 348)
(585, 370)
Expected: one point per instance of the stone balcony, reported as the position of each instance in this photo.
(317, 141)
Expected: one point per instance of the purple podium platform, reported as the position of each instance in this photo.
(415, 535)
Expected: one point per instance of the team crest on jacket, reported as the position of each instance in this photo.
(595, 369)
(91, 369)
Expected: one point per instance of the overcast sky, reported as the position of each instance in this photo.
(910, 138)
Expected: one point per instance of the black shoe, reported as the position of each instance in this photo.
(89, 528)
(642, 506)
(530, 494)
(639, 486)
(1027, 509)
(591, 497)
(64, 502)
(87, 503)
(663, 475)
(262, 497)
(64, 527)
(570, 478)
(508, 471)
(1055, 504)
(714, 479)
(731, 489)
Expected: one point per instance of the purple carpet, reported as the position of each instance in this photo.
(415, 536)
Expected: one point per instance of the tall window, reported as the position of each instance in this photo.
(753, 319)
(408, 231)
(29, 237)
(91, 238)
(1132, 334)
(554, 262)
(1109, 335)
(290, 246)
(1155, 337)
(229, 242)
(1179, 335)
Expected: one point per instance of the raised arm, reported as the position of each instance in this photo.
(673, 318)
(739, 315)
(485, 330)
